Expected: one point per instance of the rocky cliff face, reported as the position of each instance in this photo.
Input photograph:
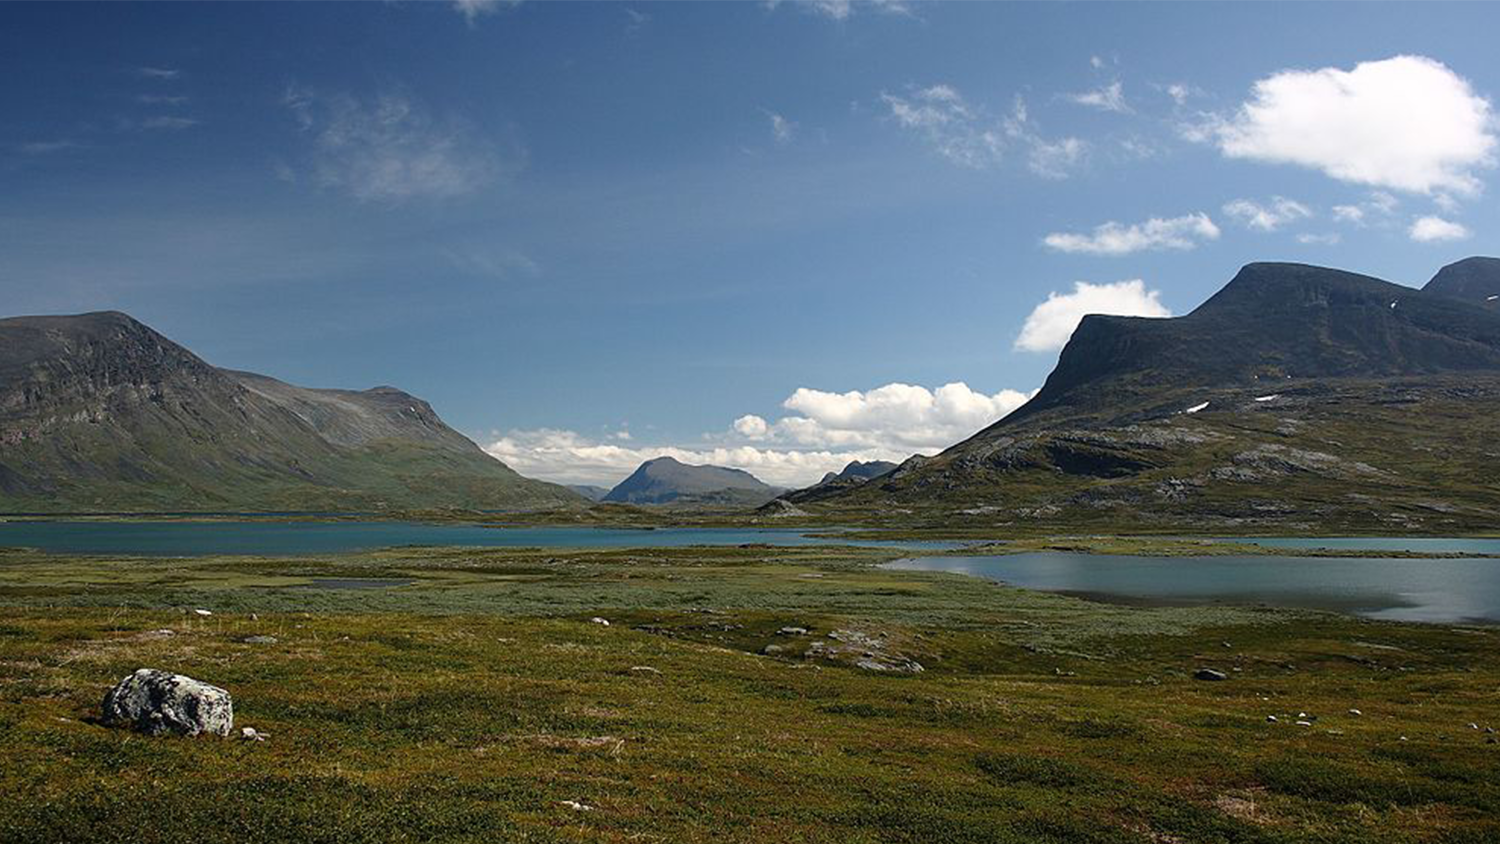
(1473, 280)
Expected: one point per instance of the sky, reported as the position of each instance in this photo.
(775, 236)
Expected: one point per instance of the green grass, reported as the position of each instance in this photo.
(467, 706)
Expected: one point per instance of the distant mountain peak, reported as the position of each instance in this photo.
(665, 479)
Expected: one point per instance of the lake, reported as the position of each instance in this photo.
(1427, 544)
(265, 538)
(1433, 590)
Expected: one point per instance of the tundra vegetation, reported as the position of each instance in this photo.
(430, 694)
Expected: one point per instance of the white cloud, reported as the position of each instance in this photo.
(1155, 234)
(473, 9)
(823, 432)
(1268, 217)
(389, 149)
(48, 147)
(1407, 123)
(161, 99)
(1179, 92)
(1328, 239)
(899, 419)
(163, 123)
(751, 427)
(1056, 159)
(782, 129)
(1052, 322)
(158, 72)
(955, 129)
(1349, 214)
(1436, 230)
(1109, 98)
(842, 10)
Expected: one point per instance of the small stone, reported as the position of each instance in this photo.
(1304, 723)
(1403, 738)
(792, 631)
(1355, 712)
(772, 649)
(644, 669)
(1473, 726)
(160, 702)
(1271, 718)
(597, 620)
(259, 640)
(576, 805)
(1209, 674)
(203, 612)
(252, 734)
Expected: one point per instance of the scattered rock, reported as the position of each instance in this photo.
(772, 649)
(252, 734)
(1209, 674)
(576, 806)
(1304, 723)
(644, 669)
(1355, 712)
(203, 612)
(792, 631)
(1271, 718)
(160, 702)
(597, 620)
(259, 640)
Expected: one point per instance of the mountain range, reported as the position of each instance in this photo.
(99, 413)
(1297, 397)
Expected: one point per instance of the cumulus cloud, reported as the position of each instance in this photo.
(822, 432)
(751, 427)
(1267, 217)
(1155, 234)
(899, 419)
(1436, 230)
(1111, 97)
(1052, 322)
(956, 130)
(390, 149)
(1407, 123)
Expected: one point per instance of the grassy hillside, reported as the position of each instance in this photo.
(98, 413)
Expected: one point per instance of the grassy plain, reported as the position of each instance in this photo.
(478, 701)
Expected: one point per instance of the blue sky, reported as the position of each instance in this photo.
(762, 235)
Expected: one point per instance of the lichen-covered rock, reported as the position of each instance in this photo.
(160, 702)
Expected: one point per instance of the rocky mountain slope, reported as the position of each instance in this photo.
(100, 413)
(1296, 398)
(667, 481)
(834, 483)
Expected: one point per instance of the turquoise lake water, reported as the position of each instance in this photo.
(1429, 544)
(190, 539)
(1442, 590)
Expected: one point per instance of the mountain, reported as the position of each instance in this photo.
(834, 483)
(1297, 397)
(592, 493)
(98, 412)
(1474, 280)
(666, 481)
